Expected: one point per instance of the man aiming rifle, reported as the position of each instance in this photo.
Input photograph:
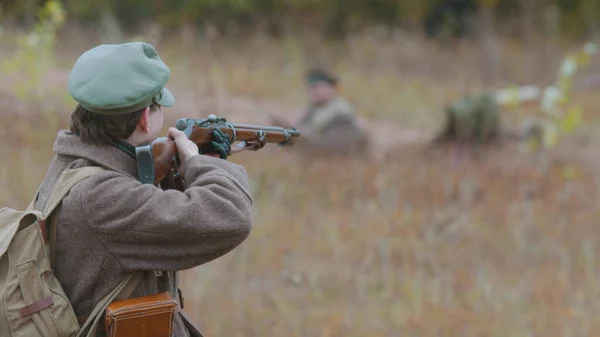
(117, 243)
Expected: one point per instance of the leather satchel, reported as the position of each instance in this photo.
(147, 316)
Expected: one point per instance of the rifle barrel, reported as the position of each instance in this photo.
(188, 123)
(291, 132)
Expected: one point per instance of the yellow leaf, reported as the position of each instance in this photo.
(565, 85)
(550, 137)
(583, 59)
(563, 99)
(513, 97)
(572, 119)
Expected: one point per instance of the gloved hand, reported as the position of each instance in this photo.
(220, 144)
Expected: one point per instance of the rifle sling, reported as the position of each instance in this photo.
(145, 164)
(125, 147)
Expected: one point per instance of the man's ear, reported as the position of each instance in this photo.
(144, 122)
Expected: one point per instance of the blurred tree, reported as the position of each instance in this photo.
(333, 17)
(34, 53)
(449, 16)
(488, 40)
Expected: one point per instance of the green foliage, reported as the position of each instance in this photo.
(561, 117)
(34, 53)
(578, 17)
(335, 16)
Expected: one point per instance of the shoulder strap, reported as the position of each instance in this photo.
(67, 179)
(31, 206)
(65, 182)
(121, 292)
(53, 222)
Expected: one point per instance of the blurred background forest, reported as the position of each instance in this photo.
(516, 18)
(410, 241)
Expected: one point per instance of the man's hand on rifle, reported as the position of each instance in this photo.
(209, 137)
(185, 147)
(219, 146)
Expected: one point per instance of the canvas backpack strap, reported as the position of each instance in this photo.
(121, 292)
(63, 185)
(31, 206)
(52, 235)
(67, 179)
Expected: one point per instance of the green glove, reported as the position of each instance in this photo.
(220, 144)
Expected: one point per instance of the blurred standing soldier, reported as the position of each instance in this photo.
(329, 125)
(110, 224)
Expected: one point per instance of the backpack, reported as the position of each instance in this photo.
(32, 301)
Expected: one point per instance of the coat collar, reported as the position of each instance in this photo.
(119, 158)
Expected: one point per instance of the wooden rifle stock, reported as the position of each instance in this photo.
(162, 152)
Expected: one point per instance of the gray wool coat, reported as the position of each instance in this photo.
(110, 224)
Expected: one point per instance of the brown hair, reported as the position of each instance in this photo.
(99, 129)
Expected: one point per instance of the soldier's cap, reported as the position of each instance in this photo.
(113, 79)
(316, 75)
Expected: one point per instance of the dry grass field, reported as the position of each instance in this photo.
(412, 242)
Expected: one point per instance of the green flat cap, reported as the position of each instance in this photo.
(317, 75)
(114, 79)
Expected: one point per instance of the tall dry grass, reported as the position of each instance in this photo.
(415, 244)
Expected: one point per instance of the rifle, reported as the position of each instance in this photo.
(158, 162)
